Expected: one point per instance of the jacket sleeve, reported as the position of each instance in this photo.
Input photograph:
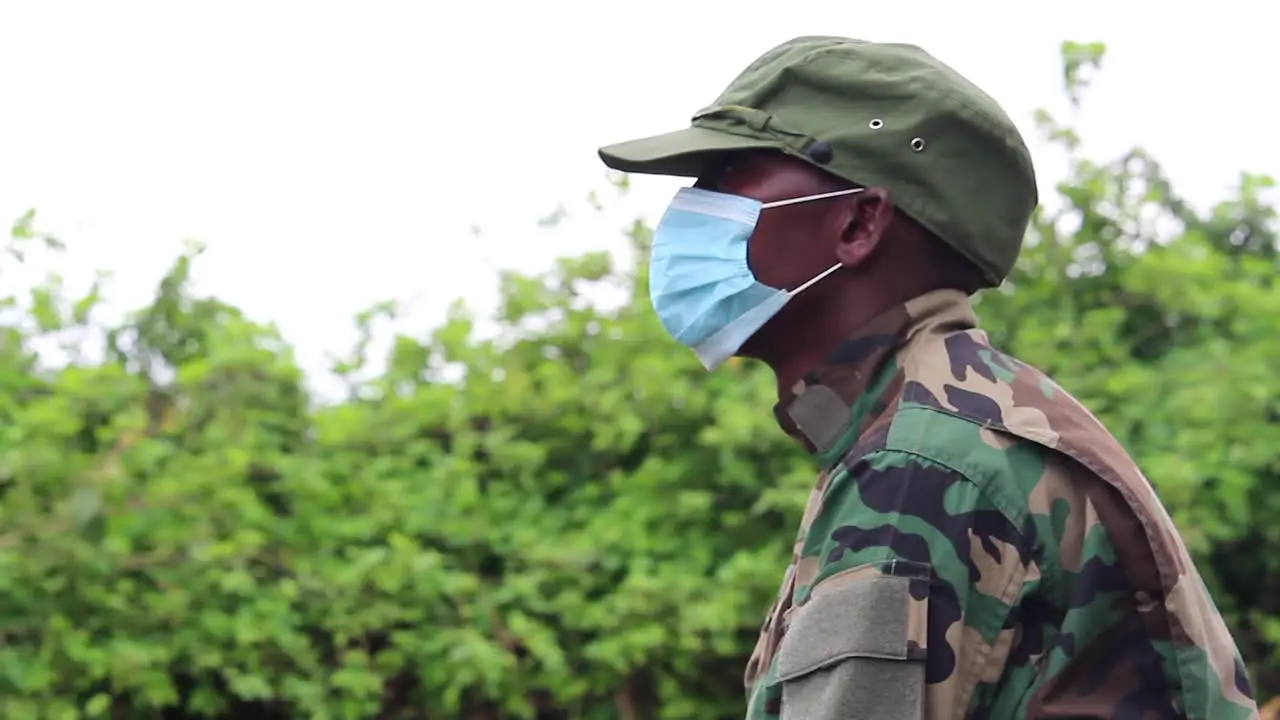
(910, 577)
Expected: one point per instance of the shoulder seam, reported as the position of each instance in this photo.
(1009, 507)
(1011, 513)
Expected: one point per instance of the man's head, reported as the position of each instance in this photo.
(886, 257)
(948, 186)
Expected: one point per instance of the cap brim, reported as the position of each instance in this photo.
(683, 153)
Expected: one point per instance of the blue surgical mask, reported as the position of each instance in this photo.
(701, 287)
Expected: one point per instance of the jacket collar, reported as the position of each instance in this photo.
(856, 385)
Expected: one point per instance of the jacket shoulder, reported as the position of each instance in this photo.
(1005, 467)
(960, 376)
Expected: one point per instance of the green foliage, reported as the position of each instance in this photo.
(569, 519)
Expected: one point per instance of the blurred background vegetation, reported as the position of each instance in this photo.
(568, 519)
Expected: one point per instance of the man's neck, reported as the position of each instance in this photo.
(811, 346)
(821, 395)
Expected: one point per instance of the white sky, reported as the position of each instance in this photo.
(335, 154)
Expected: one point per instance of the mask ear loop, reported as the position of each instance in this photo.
(808, 198)
(816, 279)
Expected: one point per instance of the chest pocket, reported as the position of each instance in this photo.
(856, 649)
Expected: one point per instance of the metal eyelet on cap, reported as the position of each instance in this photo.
(875, 124)
(917, 144)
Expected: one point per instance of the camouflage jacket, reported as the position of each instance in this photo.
(979, 546)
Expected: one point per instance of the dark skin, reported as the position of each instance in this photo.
(886, 258)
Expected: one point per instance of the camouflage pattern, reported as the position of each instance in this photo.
(1045, 577)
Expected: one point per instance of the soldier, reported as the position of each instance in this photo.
(977, 545)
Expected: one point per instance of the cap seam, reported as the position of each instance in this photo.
(782, 137)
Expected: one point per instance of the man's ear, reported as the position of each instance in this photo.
(864, 220)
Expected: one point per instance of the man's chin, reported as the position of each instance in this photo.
(752, 349)
(761, 345)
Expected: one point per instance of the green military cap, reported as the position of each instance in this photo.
(875, 114)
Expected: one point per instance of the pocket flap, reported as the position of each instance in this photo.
(872, 611)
